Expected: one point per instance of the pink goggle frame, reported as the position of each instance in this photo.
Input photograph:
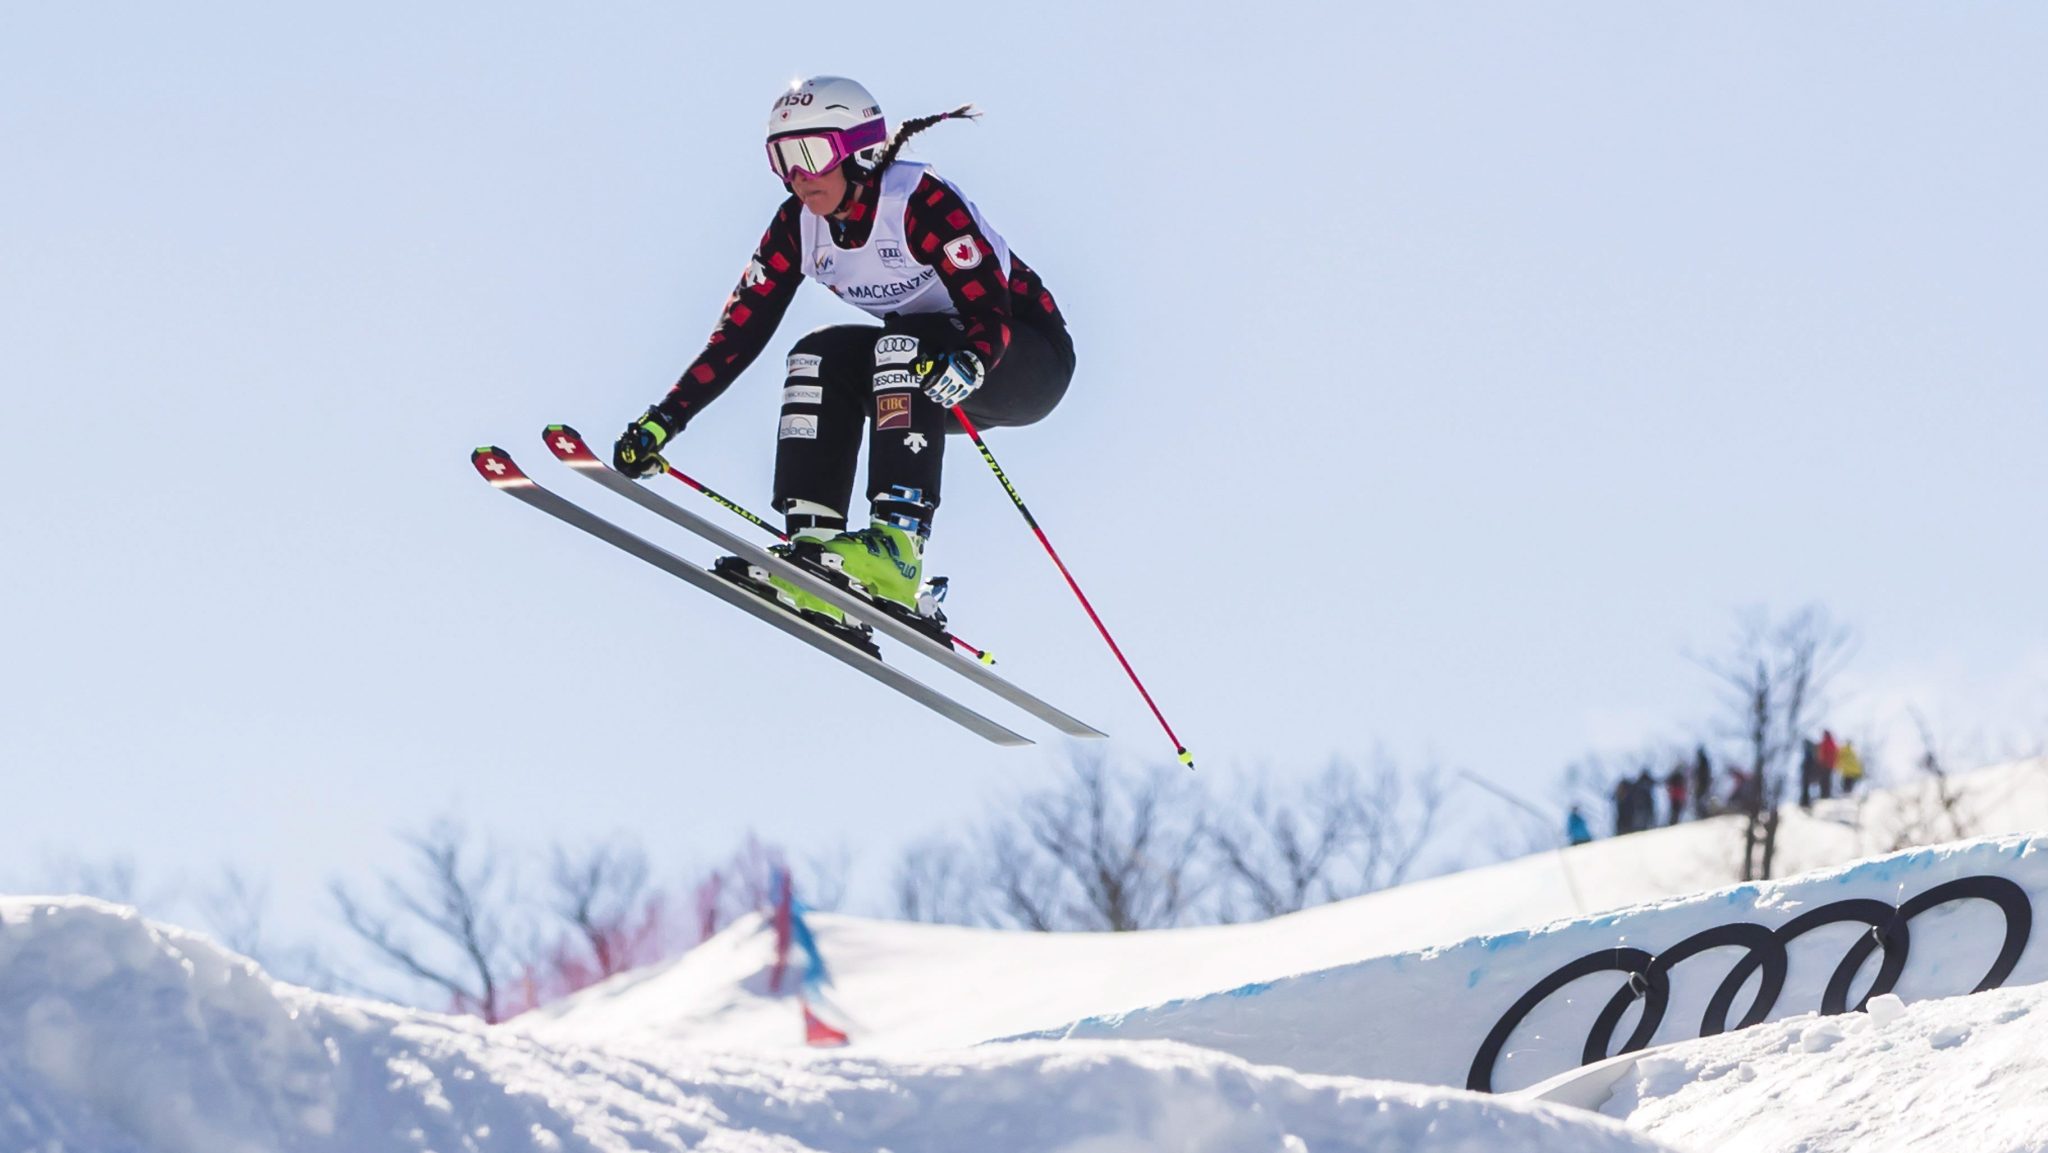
(815, 152)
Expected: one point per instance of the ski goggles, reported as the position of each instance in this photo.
(814, 153)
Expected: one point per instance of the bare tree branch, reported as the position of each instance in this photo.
(457, 904)
(1929, 808)
(1102, 852)
(938, 881)
(602, 892)
(825, 878)
(235, 909)
(1347, 832)
(1028, 891)
(113, 880)
(1775, 685)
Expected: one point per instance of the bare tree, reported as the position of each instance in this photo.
(709, 905)
(1279, 855)
(1029, 890)
(602, 893)
(115, 880)
(1763, 792)
(1774, 686)
(1103, 851)
(1345, 833)
(824, 878)
(743, 884)
(1930, 808)
(456, 897)
(1398, 815)
(939, 881)
(234, 908)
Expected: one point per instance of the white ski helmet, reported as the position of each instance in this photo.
(821, 122)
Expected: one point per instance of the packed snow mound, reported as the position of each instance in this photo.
(902, 984)
(121, 1036)
(1963, 1073)
(1510, 1010)
(112, 1028)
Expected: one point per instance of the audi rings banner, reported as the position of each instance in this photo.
(1506, 1012)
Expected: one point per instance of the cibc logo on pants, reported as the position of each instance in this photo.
(892, 411)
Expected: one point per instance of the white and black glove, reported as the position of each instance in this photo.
(949, 377)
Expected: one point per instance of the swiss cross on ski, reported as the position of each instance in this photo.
(494, 466)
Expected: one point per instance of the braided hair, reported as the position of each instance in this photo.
(912, 127)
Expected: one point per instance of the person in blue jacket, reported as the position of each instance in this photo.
(1576, 828)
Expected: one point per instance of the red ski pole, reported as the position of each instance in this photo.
(974, 434)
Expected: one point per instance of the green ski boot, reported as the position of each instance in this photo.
(881, 562)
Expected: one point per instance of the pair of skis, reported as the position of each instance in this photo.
(497, 467)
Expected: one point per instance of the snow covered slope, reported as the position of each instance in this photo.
(118, 1036)
(1965, 1073)
(941, 986)
(1510, 1010)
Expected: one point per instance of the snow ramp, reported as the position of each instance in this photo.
(122, 1036)
(1507, 1011)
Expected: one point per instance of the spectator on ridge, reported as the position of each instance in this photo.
(1702, 784)
(1740, 794)
(1828, 752)
(1850, 764)
(1646, 800)
(1809, 772)
(1624, 807)
(1575, 828)
(1674, 793)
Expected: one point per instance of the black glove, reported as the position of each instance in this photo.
(948, 378)
(638, 451)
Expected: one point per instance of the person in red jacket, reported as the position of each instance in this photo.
(962, 321)
(1674, 793)
(1825, 756)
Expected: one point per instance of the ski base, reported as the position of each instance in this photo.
(740, 573)
(496, 466)
(569, 447)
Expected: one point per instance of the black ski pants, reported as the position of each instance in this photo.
(846, 375)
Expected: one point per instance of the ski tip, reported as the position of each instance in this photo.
(567, 445)
(494, 465)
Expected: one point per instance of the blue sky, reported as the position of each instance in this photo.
(1446, 373)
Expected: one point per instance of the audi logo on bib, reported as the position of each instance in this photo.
(1649, 975)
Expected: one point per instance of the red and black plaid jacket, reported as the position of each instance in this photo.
(934, 214)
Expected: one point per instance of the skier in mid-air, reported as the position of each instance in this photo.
(963, 322)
